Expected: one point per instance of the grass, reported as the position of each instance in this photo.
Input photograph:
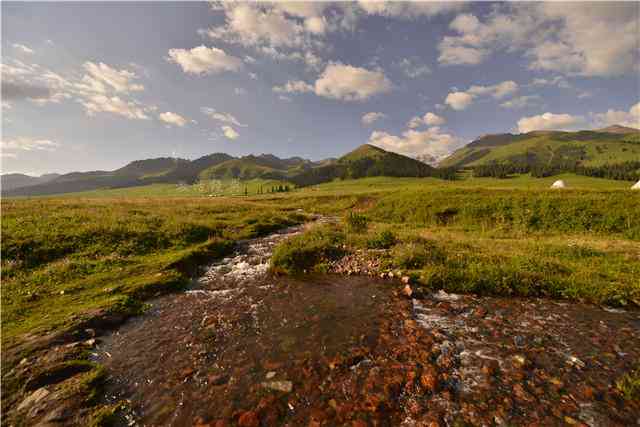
(575, 267)
(64, 259)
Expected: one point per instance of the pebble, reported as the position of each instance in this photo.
(284, 386)
(270, 375)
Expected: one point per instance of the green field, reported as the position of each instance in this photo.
(67, 259)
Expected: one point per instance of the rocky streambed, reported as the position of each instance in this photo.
(243, 347)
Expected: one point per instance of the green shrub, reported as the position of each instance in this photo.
(356, 223)
(383, 240)
(305, 252)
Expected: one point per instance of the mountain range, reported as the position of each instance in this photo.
(588, 148)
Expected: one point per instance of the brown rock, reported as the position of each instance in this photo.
(429, 379)
(407, 291)
(248, 419)
(406, 279)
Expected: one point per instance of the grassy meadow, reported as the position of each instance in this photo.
(67, 255)
(66, 258)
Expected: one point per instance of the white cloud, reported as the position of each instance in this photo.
(229, 132)
(629, 118)
(316, 24)
(22, 48)
(113, 104)
(349, 83)
(571, 38)
(294, 86)
(428, 143)
(285, 98)
(429, 119)
(11, 146)
(408, 10)
(254, 24)
(521, 102)
(550, 121)
(498, 91)
(458, 100)
(101, 88)
(102, 78)
(172, 119)
(240, 91)
(221, 116)
(204, 60)
(369, 118)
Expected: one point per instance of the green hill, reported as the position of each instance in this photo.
(265, 166)
(589, 148)
(366, 161)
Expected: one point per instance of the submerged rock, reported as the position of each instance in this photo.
(284, 386)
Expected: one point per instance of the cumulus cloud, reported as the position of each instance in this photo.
(610, 117)
(431, 142)
(458, 100)
(204, 60)
(172, 119)
(570, 38)
(229, 132)
(550, 121)
(294, 86)
(254, 24)
(22, 48)
(221, 116)
(349, 83)
(369, 118)
(429, 119)
(461, 100)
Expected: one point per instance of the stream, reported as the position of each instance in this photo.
(244, 347)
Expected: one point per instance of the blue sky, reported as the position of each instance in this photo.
(90, 86)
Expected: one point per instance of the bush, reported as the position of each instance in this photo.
(382, 240)
(305, 252)
(356, 223)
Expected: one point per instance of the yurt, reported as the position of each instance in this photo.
(559, 184)
(636, 186)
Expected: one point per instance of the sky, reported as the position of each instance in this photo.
(93, 86)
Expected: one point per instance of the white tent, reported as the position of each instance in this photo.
(559, 184)
(636, 186)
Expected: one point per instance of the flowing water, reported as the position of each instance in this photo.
(243, 347)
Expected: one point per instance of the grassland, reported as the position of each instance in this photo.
(65, 259)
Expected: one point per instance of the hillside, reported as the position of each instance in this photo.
(136, 173)
(11, 181)
(367, 161)
(250, 167)
(615, 144)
